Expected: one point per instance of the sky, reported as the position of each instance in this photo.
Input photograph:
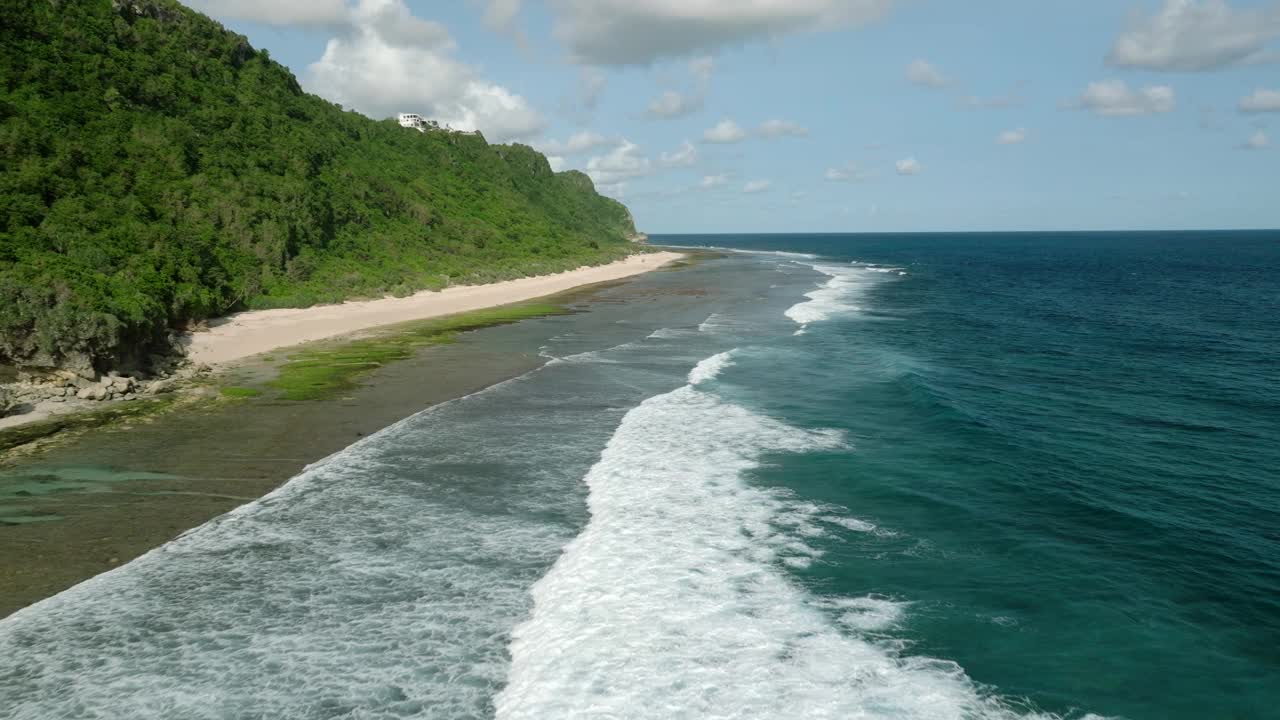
(833, 115)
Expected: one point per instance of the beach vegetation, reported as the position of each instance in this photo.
(325, 369)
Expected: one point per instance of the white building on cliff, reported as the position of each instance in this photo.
(421, 124)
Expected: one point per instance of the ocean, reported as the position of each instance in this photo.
(963, 476)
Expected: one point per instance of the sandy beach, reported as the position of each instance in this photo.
(255, 332)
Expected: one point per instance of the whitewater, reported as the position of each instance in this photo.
(585, 541)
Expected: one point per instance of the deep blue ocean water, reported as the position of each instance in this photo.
(876, 476)
(1075, 439)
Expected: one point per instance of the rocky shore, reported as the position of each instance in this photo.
(37, 395)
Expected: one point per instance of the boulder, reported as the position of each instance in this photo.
(7, 401)
(96, 392)
(161, 387)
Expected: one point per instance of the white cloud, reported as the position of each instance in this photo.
(921, 72)
(1261, 101)
(1193, 35)
(501, 13)
(282, 13)
(618, 165)
(909, 166)
(685, 156)
(711, 181)
(388, 61)
(782, 128)
(725, 131)
(995, 101)
(638, 32)
(578, 143)
(626, 162)
(846, 173)
(556, 162)
(702, 68)
(756, 186)
(671, 104)
(1012, 137)
(1257, 141)
(1116, 98)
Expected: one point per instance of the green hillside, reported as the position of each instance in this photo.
(156, 170)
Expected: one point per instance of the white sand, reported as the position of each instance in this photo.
(258, 331)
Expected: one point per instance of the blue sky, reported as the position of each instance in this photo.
(834, 115)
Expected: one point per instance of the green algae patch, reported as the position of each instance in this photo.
(322, 372)
(119, 412)
(240, 393)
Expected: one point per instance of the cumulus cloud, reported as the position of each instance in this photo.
(500, 14)
(711, 181)
(848, 172)
(781, 128)
(725, 131)
(1013, 99)
(388, 61)
(556, 162)
(626, 162)
(908, 166)
(1257, 141)
(672, 104)
(1012, 137)
(756, 186)
(623, 163)
(1261, 101)
(578, 143)
(1196, 35)
(684, 156)
(921, 72)
(281, 13)
(702, 68)
(1115, 98)
(638, 32)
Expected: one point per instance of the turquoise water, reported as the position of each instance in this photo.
(1075, 441)
(947, 476)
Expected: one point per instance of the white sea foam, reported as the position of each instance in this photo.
(671, 334)
(780, 253)
(832, 298)
(710, 368)
(839, 294)
(773, 253)
(714, 322)
(867, 614)
(361, 589)
(674, 602)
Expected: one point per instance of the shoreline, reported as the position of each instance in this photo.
(94, 498)
(240, 336)
(254, 332)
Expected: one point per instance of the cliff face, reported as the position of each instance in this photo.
(157, 170)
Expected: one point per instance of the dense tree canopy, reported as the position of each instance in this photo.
(156, 170)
